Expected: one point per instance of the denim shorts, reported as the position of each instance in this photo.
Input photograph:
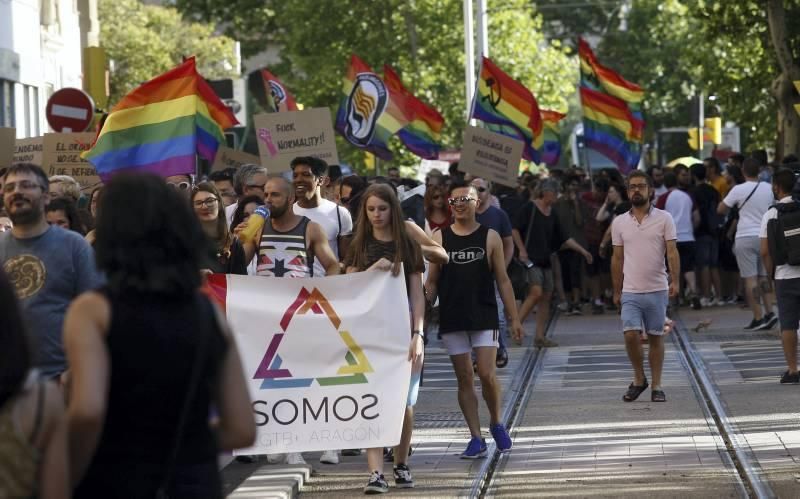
(644, 312)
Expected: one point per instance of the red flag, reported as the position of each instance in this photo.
(278, 97)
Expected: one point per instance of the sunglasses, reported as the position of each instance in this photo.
(181, 186)
(459, 200)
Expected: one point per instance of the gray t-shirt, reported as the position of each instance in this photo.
(48, 272)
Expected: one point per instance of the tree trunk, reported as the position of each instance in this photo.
(782, 87)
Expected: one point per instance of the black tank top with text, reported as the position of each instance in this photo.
(466, 285)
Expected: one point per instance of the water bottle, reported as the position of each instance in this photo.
(254, 224)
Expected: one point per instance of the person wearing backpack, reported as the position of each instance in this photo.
(780, 250)
(706, 236)
(750, 200)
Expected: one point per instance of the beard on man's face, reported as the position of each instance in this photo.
(25, 215)
(638, 200)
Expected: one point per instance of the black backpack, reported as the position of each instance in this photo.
(783, 234)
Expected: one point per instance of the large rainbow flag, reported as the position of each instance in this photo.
(422, 135)
(551, 149)
(612, 117)
(278, 96)
(161, 126)
(370, 111)
(508, 108)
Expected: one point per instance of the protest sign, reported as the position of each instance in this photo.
(29, 150)
(284, 136)
(490, 155)
(62, 156)
(326, 360)
(231, 158)
(7, 137)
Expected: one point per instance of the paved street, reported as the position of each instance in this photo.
(576, 438)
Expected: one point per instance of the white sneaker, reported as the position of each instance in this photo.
(276, 458)
(563, 306)
(295, 458)
(705, 302)
(329, 457)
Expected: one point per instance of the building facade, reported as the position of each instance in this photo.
(41, 43)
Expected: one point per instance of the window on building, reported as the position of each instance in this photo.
(31, 110)
(7, 103)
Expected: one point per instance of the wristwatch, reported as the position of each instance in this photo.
(420, 333)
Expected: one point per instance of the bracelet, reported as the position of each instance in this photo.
(420, 333)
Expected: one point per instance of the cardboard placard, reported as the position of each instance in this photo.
(62, 156)
(231, 158)
(284, 136)
(29, 150)
(7, 138)
(490, 155)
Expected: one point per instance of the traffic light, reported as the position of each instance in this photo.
(693, 139)
(713, 130)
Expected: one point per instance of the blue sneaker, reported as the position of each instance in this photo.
(475, 449)
(501, 438)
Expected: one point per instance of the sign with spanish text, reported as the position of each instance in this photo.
(29, 150)
(283, 136)
(325, 359)
(7, 139)
(490, 155)
(62, 156)
(231, 158)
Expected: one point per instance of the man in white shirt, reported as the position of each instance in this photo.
(787, 277)
(684, 213)
(752, 200)
(308, 176)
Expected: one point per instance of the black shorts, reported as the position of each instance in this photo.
(787, 292)
(686, 251)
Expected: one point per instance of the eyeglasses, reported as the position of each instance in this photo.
(637, 187)
(481, 189)
(207, 202)
(182, 186)
(23, 185)
(344, 200)
(255, 186)
(459, 200)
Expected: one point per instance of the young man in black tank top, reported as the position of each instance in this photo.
(468, 311)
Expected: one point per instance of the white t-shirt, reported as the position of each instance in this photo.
(325, 215)
(781, 271)
(679, 205)
(750, 216)
(230, 211)
(660, 190)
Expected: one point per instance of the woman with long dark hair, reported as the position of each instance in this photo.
(437, 213)
(225, 254)
(150, 355)
(383, 241)
(33, 436)
(246, 207)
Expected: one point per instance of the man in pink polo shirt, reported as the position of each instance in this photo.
(641, 237)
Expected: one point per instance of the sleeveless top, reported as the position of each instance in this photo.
(387, 249)
(153, 342)
(19, 458)
(284, 254)
(466, 284)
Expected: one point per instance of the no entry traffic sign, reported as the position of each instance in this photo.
(70, 110)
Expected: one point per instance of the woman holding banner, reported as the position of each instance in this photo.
(383, 241)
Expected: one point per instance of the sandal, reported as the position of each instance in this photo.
(658, 396)
(544, 342)
(501, 360)
(634, 391)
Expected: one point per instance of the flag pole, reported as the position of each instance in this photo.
(469, 59)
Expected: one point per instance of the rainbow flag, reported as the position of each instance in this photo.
(507, 107)
(612, 117)
(551, 150)
(423, 134)
(278, 97)
(370, 111)
(161, 126)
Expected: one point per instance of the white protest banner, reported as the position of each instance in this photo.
(326, 360)
(7, 139)
(29, 150)
(491, 156)
(231, 158)
(283, 136)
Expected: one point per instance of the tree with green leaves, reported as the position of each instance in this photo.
(422, 39)
(144, 41)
